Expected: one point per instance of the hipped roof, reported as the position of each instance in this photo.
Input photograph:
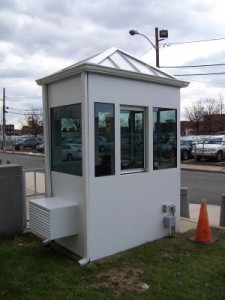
(116, 62)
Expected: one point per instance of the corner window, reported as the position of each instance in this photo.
(164, 138)
(104, 139)
(66, 144)
(132, 133)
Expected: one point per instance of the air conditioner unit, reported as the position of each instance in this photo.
(53, 218)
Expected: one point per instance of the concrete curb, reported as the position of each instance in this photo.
(202, 168)
(22, 153)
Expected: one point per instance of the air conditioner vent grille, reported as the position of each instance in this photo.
(53, 218)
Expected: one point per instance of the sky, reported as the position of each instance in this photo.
(40, 37)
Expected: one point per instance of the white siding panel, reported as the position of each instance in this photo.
(70, 187)
(126, 210)
(65, 92)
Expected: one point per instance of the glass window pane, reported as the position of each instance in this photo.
(132, 128)
(164, 138)
(104, 139)
(66, 129)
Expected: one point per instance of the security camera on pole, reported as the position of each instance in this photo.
(159, 36)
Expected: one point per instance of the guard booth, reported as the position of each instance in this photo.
(112, 155)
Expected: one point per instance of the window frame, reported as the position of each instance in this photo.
(143, 109)
(100, 170)
(53, 161)
(175, 162)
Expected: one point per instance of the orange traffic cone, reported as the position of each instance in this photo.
(203, 232)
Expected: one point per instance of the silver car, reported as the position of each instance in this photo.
(211, 148)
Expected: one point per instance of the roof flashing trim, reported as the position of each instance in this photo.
(93, 68)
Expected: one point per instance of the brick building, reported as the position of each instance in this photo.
(211, 124)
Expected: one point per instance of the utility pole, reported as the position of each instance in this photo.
(160, 35)
(157, 46)
(3, 121)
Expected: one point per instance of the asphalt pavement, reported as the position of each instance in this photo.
(213, 210)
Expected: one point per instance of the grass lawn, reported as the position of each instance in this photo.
(170, 268)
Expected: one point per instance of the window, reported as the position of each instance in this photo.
(104, 139)
(164, 138)
(66, 128)
(132, 133)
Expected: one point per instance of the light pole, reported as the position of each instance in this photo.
(159, 36)
(3, 121)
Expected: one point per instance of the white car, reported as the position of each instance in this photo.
(212, 147)
(71, 152)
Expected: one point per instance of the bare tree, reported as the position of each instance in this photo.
(33, 121)
(195, 114)
(211, 108)
(207, 115)
(221, 104)
(221, 119)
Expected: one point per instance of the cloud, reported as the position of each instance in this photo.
(7, 4)
(39, 37)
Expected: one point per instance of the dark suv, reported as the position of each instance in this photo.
(28, 143)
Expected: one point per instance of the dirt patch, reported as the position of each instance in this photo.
(121, 280)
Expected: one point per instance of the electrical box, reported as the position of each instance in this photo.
(166, 208)
(169, 208)
(169, 221)
(53, 218)
(12, 200)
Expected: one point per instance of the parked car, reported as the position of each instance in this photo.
(28, 143)
(185, 149)
(212, 148)
(40, 148)
(71, 152)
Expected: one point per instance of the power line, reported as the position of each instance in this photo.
(196, 41)
(197, 66)
(208, 82)
(201, 74)
(194, 66)
(30, 110)
(21, 98)
(24, 114)
(188, 42)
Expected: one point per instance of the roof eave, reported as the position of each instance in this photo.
(93, 68)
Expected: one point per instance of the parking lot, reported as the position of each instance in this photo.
(210, 148)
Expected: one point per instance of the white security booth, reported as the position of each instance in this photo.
(112, 156)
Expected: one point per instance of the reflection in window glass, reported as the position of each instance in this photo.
(104, 139)
(66, 128)
(164, 138)
(132, 128)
